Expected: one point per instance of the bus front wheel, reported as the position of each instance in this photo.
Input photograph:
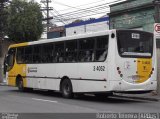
(20, 84)
(66, 89)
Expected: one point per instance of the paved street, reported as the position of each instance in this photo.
(13, 101)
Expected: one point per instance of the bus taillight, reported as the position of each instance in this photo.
(119, 72)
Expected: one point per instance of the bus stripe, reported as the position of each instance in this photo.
(60, 78)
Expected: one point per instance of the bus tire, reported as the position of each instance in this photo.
(20, 84)
(66, 89)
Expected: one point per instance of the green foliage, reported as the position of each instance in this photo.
(24, 21)
(3, 18)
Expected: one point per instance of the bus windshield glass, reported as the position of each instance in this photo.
(134, 44)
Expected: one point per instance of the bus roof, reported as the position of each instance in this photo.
(62, 38)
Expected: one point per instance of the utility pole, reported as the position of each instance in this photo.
(157, 10)
(157, 20)
(47, 9)
(48, 15)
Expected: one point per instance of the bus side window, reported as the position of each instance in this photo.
(86, 50)
(46, 53)
(28, 54)
(87, 56)
(37, 54)
(71, 51)
(20, 55)
(59, 51)
(101, 48)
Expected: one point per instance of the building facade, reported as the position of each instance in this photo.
(92, 25)
(55, 32)
(133, 14)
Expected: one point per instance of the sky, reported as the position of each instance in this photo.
(69, 8)
(77, 3)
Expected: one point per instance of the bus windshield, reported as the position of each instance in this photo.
(134, 44)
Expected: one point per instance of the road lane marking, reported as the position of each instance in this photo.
(75, 106)
(44, 100)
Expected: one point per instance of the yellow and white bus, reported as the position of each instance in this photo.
(109, 61)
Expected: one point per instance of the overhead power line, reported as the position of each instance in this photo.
(86, 9)
(79, 9)
(60, 15)
(109, 3)
(82, 13)
(68, 19)
(103, 7)
(99, 10)
(82, 5)
(89, 11)
(70, 6)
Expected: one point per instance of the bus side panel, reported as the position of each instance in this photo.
(113, 76)
(48, 76)
(42, 76)
(18, 69)
(91, 78)
(89, 86)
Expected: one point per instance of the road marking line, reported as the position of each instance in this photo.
(44, 100)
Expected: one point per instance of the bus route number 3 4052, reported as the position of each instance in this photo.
(98, 68)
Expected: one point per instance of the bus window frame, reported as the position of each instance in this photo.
(95, 49)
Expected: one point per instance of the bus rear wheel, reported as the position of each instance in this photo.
(66, 89)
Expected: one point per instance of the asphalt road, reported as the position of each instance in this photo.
(13, 101)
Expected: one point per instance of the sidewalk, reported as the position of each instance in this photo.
(3, 84)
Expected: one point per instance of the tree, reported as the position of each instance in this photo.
(3, 18)
(24, 21)
(3, 23)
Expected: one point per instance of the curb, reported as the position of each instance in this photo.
(139, 98)
(3, 84)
